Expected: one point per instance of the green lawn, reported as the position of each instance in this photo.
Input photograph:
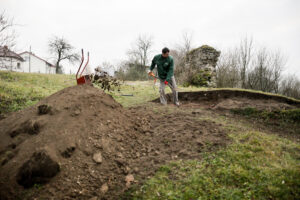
(20, 90)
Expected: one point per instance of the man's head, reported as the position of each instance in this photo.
(165, 52)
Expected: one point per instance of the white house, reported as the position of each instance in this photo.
(24, 62)
(10, 60)
(34, 64)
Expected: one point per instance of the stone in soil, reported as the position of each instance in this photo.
(97, 157)
(40, 168)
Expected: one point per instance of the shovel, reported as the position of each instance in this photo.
(156, 77)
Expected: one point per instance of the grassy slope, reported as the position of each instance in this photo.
(20, 90)
(254, 166)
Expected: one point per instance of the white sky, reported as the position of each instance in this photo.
(107, 28)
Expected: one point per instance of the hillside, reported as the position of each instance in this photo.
(20, 90)
(219, 144)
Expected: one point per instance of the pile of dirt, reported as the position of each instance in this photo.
(231, 99)
(80, 144)
(59, 140)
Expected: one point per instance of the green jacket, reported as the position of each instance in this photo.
(165, 66)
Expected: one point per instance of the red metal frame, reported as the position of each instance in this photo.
(86, 78)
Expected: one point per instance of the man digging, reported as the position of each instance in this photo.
(165, 69)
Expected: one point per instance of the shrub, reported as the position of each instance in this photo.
(201, 79)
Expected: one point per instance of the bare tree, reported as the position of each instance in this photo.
(140, 50)
(228, 69)
(183, 47)
(245, 55)
(290, 86)
(187, 42)
(261, 70)
(267, 71)
(243, 67)
(106, 67)
(278, 64)
(134, 67)
(62, 50)
(7, 33)
(179, 52)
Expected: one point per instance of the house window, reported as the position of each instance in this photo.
(18, 65)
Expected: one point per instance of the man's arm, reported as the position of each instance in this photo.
(171, 70)
(153, 64)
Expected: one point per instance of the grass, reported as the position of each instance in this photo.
(289, 116)
(142, 91)
(20, 90)
(254, 166)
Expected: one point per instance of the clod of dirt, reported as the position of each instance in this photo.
(200, 142)
(14, 133)
(40, 168)
(30, 126)
(121, 162)
(136, 169)
(104, 188)
(76, 113)
(44, 109)
(128, 179)
(67, 153)
(2, 116)
(196, 111)
(97, 157)
(7, 156)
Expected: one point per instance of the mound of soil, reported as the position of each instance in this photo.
(230, 99)
(79, 144)
(68, 127)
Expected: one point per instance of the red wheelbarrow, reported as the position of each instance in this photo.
(82, 79)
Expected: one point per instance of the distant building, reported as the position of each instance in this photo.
(24, 62)
(34, 64)
(10, 60)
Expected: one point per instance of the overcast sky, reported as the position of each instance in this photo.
(107, 28)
